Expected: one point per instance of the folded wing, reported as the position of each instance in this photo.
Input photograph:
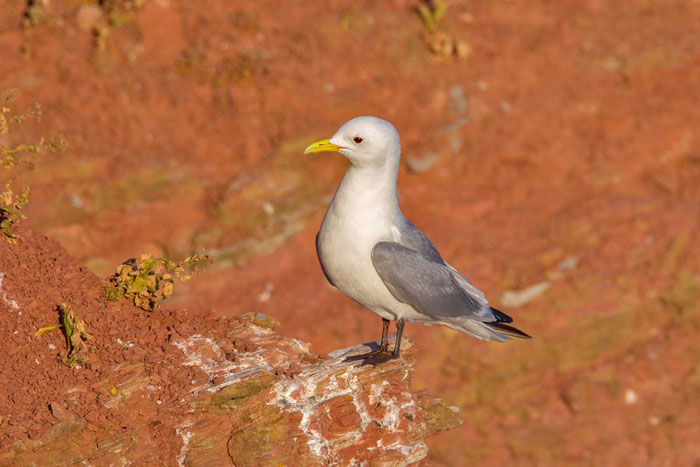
(426, 284)
(435, 289)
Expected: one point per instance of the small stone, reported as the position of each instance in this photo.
(421, 164)
(569, 263)
(218, 379)
(58, 410)
(516, 298)
(33, 432)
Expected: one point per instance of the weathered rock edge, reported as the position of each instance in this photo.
(262, 405)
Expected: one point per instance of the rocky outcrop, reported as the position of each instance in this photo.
(180, 389)
(265, 402)
(278, 410)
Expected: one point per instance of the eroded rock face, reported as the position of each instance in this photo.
(279, 407)
(168, 387)
(267, 401)
(320, 412)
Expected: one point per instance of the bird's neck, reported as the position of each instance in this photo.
(368, 192)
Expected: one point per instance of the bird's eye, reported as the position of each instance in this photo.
(357, 139)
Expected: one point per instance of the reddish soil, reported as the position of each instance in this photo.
(570, 132)
(35, 384)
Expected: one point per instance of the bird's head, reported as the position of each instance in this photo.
(365, 141)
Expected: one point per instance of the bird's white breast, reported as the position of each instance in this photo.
(349, 232)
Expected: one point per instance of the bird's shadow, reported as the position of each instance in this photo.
(372, 355)
(372, 346)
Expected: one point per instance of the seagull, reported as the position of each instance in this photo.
(371, 253)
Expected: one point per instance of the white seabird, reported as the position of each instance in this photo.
(371, 253)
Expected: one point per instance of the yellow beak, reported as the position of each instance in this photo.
(324, 145)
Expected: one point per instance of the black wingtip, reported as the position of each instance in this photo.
(500, 316)
(508, 330)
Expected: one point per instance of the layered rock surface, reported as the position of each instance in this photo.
(160, 388)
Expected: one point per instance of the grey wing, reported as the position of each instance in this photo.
(413, 238)
(318, 255)
(427, 285)
(468, 287)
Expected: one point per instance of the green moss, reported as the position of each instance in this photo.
(76, 335)
(11, 206)
(59, 446)
(439, 417)
(232, 396)
(148, 281)
(265, 441)
(203, 442)
(432, 13)
(261, 319)
(112, 293)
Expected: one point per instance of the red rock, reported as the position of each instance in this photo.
(91, 416)
(258, 419)
(91, 427)
(58, 410)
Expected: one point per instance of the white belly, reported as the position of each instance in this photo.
(345, 252)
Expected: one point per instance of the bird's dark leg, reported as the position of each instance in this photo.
(383, 345)
(399, 332)
(385, 332)
(382, 355)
